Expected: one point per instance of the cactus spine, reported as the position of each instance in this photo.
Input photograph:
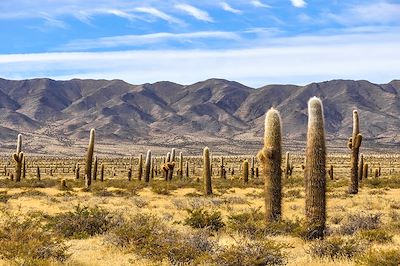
(315, 172)
(246, 171)
(147, 167)
(89, 159)
(270, 157)
(354, 144)
(140, 167)
(207, 171)
(18, 158)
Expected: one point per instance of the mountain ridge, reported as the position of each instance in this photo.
(206, 112)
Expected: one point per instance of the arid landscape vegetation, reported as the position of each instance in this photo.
(272, 208)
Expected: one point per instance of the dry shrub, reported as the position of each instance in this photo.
(335, 248)
(374, 257)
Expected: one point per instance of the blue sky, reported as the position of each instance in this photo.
(255, 42)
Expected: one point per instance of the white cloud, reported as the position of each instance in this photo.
(297, 60)
(138, 40)
(195, 12)
(159, 14)
(225, 6)
(258, 3)
(380, 13)
(298, 3)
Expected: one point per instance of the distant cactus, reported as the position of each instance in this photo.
(252, 169)
(360, 167)
(63, 184)
(222, 169)
(24, 168)
(289, 167)
(89, 159)
(270, 157)
(140, 168)
(180, 173)
(379, 170)
(77, 171)
(315, 171)
(354, 144)
(376, 173)
(171, 165)
(95, 168)
(246, 171)
(38, 172)
(147, 167)
(365, 171)
(102, 173)
(18, 158)
(207, 171)
(187, 169)
(330, 172)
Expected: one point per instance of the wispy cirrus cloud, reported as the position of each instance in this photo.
(258, 3)
(298, 3)
(139, 40)
(225, 6)
(159, 14)
(195, 12)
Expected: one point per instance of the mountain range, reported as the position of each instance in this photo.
(56, 116)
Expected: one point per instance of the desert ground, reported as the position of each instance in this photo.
(130, 222)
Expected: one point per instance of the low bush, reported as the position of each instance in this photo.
(374, 257)
(360, 221)
(200, 218)
(375, 235)
(335, 248)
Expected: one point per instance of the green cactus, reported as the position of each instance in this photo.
(140, 168)
(270, 157)
(170, 172)
(246, 171)
(315, 171)
(354, 144)
(207, 171)
(147, 166)
(89, 159)
(18, 158)
(360, 167)
(102, 173)
(95, 168)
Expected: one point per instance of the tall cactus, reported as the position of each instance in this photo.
(289, 167)
(18, 158)
(315, 172)
(207, 171)
(270, 157)
(360, 167)
(252, 169)
(180, 166)
(365, 171)
(222, 169)
(171, 165)
(147, 167)
(95, 168)
(77, 171)
(187, 169)
(246, 171)
(354, 144)
(89, 159)
(102, 173)
(24, 168)
(140, 168)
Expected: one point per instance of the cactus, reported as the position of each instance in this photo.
(187, 169)
(376, 173)
(365, 171)
(252, 167)
(207, 171)
(38, 173)
(330, 172)
(102, 173)
(315, 171)
(95, 168)
(246, 171)
(270, 157)
(360, 167)
(222, 169)
(171, 166)
(89, 159)
(18, 158)
(289, 166)
(147, 167)
(24, 168)
(180, 175)
(153, 163)
(77, 171)
(379, 170)
(63, 184)
(140, 168)
(354, 144)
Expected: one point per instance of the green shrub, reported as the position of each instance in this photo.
(375, 235)
(25, 241)
(335, 248)
(381, 257)
(150, 237)
(249, 253)
(200, 218)
(82, 222)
